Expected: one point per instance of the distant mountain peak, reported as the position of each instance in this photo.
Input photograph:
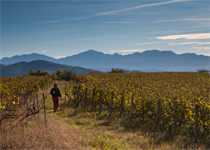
(116, 54)
(146, 60)
(26, 58)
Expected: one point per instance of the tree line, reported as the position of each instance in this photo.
(59, 75)
(66, 74)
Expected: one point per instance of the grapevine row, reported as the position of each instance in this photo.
(13, 89)
(185, 88)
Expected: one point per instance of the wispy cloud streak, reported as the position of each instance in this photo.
(148, 43)
(186, 19)
(116, 11)
(185, 43)
(137, 7)
(118, 22)
(65, 30)
(129, 50)
(67, 19)
(87, 39)
(185, 36)
(201, 48)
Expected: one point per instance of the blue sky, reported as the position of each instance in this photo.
(65, 28)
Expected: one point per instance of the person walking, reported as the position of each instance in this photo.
(55, 92)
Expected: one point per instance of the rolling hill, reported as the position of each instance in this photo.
(22, 68)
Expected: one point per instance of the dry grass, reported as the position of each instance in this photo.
(34, 134)
(57, 135)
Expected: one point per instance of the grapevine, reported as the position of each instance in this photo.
(13, 89)
(186, 88)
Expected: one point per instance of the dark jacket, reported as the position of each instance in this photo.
(55, 92)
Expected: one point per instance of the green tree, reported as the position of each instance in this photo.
(31, 72)
(67, 75)
(117, 70)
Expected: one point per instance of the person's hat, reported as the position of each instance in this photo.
(54, 84)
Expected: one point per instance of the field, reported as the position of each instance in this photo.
(142, 113)
(173, 102)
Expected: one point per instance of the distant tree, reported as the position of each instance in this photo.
(67, 75)
(38, 73)
(203, 71)
(117, 70)
(95, 72)
(63, 75)
(31, 72)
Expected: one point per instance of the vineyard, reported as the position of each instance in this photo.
(16, 95)
(173, 102)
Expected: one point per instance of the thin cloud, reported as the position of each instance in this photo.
(137, 7)
(115, 11)
(205, 54)
(185, 43)
(68, 19)
(44, 51)
(201, 25)
(57, 57)
(64, 30)
(87, 39)
(185, 36)
(186, 19)
(148, 43)
(118, 22)
(201, 48)
(130, 50)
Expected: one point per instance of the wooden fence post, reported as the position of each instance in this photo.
(93, 99)
(196, 123)
(143, 115)
(132, 107)
(65, 95)
(34, 98)
(78, 96)
(121, 104)
(37, 100)
(25, 97)
(44, 111)
(85, 98)
(100, 102)
(175, 117)
(110, 111)
(158, 114)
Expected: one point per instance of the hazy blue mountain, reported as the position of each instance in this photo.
(89, 58)
(147, 60)
(22, 68)
(26, 58)
(2, 66)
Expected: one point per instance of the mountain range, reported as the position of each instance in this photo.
(150, 60)
(22, 68)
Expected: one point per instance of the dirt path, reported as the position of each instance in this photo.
(64, 136)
